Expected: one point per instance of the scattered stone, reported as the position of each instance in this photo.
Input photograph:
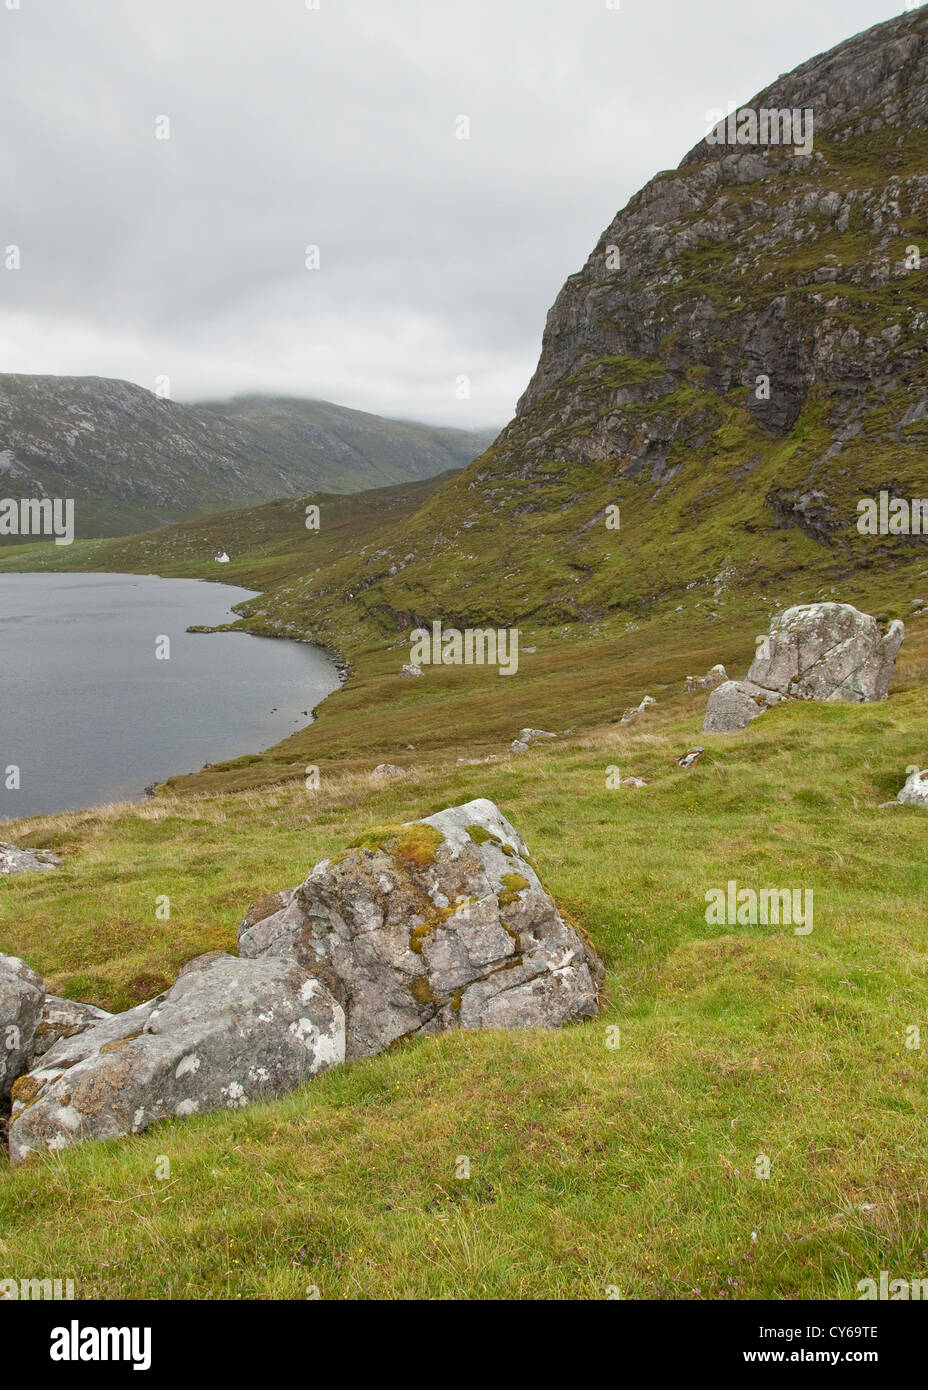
(526, 738)
(411, 670)
(690, 757)
(63, 1018)
(22, 861)
(383, 771)
(639, 709)
(734, 704)
(436, 924)
(228, 1031)
(915, 791)
(633, 782)
(22, 993)
(717, 676)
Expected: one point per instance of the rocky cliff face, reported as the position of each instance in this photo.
(739, 362)
(132, 460)
(758, 259)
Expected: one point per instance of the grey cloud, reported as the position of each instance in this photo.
(336, 127)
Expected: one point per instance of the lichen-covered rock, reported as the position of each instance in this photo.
(717, 676)
(439, 923)
(383, 771)
(734, 704)
(827, 651)
(22, 993)
(25, 861)
(915, 791)
(227, 1032)
(63, 1018)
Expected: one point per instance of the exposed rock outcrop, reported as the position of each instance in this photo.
(717, 676)
(440, 923)
(631, 714)
(227, 1032)
(734, 704)
(63, 1018)
(828, 651)
(526, 737)
(623, 304)
(25, 861)
(22, 993)
(436, 924)
(915, 791)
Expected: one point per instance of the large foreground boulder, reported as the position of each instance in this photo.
(435, 924)
(227, 1032)
(22, 993)
(438, 923)
(828, 651)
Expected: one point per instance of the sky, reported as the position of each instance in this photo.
(181, 263)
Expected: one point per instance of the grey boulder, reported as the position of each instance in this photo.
(915, 791)
(734, 704)
(23, 861)
(227, 1032)
(436, 924)
(22, 993)
(383, 771)
(828, 651)
(63, 1018)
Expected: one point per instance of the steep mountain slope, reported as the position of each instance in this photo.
(744, 263)
(732, 507)
(337, 442)
(132, 460)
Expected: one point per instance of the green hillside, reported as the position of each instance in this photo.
(131, 460)
(598, 1163)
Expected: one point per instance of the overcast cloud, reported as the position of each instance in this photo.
(292, 126)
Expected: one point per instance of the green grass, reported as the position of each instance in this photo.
(591, 1166)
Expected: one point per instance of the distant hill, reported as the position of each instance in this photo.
(132, 460)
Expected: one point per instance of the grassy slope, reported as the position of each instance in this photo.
(590, 1166)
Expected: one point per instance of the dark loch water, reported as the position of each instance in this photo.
(89, 715)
